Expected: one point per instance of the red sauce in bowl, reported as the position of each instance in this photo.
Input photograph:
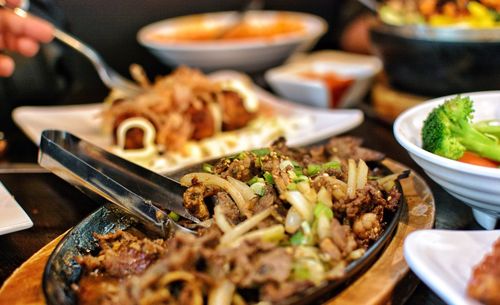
(337, 85)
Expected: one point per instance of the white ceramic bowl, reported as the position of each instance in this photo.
(248, 55)
(287, 80)
(478, 187)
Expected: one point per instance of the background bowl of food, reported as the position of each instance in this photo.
(440, 50)
(476, 186)
(213, 41)
(328, 79)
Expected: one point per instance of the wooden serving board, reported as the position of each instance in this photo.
(378, 285)
(388, 102)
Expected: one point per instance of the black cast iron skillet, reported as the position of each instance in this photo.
(62, 271)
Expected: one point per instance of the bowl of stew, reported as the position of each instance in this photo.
(213, 41)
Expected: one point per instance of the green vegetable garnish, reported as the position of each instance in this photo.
(261, 152)
(174, 216)
(259, 188)
(331, 165)
(313, 169)
(448, 132)
(322, 209)
(268, 177)
(254, 180)
(207, 168)
(298, 239)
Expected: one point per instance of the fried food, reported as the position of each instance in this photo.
(484, 284)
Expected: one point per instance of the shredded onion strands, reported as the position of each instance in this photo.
(361, 175)
(221, 221)
(299, 202)
(244, 227)
(270, 234)
(351, 179)
(209, 179)
(222, 294)
(243, 188)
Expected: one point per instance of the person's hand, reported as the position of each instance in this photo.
(21, 35)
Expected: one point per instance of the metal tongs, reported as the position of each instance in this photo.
(144, 194)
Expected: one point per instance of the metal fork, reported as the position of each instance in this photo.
(111, 78)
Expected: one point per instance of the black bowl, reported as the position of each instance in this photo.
(438, 61)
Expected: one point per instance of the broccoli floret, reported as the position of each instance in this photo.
(448, 132)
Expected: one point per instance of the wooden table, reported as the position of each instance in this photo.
(54, 206)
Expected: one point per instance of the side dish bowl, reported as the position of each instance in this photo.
(328, 79)
(210, 52)
(476, 186)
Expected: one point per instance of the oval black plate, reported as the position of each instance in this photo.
(62, 271)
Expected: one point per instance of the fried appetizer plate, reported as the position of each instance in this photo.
(62, 273)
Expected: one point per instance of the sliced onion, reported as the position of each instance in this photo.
(247, 193)
(210, 179)
(362, 175)
(244, 227)
(222, 294)
(221, 221)
(324, 227)
(271, 234)
(325, 197)
(293, 220)
(351, 179)
(299, 202)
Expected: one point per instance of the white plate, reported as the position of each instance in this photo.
(444, 260)
(12, 216)
(85, 122)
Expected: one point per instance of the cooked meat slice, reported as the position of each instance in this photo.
(123, 254)
(367, 226)
(275, 292)
(241, 168)
(229, 207)
(329, 248)
(194, 199)
(350, 147)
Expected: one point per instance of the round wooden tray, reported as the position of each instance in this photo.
(376, 286)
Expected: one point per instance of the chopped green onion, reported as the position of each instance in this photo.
(261, 152)
(268, 177)
(298, 239)
(322, 209)
(292, 187)
(330, 165)
(254, 180)
(301, 272)
(207, 168)
(301, 178)
(298, 171)
(295, 163)
(174, 216)
(313, 169)
(259, 188)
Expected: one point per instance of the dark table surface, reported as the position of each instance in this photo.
(55, 206)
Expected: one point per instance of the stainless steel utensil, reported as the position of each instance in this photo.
(372, 5)
(141, 192)
(111, 78)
